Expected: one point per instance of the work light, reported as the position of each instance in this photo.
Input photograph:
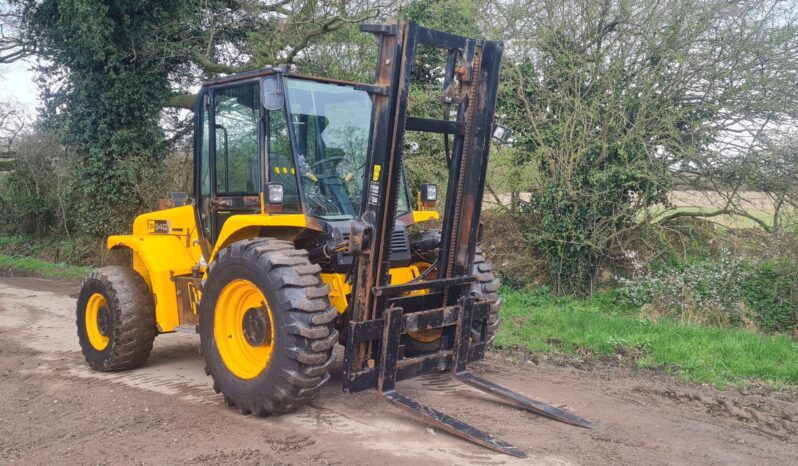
(274, 193)
(429, 192)
(501, 133)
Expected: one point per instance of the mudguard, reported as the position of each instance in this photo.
(164, 244)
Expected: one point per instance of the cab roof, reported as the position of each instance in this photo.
(270, 70)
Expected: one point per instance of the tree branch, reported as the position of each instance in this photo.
(716, 213)
(185, 101)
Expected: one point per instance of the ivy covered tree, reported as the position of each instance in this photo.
(107, 77)
(110, 67)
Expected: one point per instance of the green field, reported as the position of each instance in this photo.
(42, 268)
(602, 327)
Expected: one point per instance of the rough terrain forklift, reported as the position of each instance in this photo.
(299, 237)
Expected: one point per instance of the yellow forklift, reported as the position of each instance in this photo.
(299, 237)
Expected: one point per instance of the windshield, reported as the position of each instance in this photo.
(330, 124)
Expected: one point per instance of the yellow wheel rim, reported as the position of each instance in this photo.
(97, 308)
(242, 328)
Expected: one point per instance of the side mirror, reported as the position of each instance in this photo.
(271, 93)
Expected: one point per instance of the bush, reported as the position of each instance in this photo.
(517, 264)
(724, 292)
(34, 194)
(78, 250)
(772, 293)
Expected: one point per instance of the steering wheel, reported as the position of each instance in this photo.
(335, 158)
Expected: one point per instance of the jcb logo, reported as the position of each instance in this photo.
(158, 226)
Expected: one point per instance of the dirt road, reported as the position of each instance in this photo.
(54, 409)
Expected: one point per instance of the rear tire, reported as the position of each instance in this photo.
(486, 288)
(115, 319)
(300, 323)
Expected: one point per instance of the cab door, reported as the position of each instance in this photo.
(235, 142)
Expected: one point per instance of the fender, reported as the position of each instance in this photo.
(243, 226)
(163, 244)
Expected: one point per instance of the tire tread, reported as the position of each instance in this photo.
(308, 324)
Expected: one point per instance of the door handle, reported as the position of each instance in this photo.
(221, 202)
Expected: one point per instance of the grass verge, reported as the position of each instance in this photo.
(42, 268)
(602, 327)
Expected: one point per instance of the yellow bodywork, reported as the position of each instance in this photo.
(340, 288)
(166, 244)
(160, 254)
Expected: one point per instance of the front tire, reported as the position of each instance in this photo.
(266, 326)
(115, 319)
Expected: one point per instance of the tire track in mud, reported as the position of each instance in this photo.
(763, 414)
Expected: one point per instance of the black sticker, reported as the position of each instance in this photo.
(158, 226)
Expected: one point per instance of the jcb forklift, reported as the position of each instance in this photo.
(299, 237)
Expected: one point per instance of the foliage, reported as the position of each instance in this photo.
(107, 80)
(75, 250)
(539, 323)
(727, 291)
(37, 188)
(35, 194)
(772, 292)
(40, 268)
(517, 264)
(615, 103)
(706, 292)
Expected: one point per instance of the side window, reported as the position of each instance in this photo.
(236, 114)
(281, 162)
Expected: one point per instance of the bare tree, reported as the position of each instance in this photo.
(13, 46)
(12, 122)
(616, 104)
(253, 34)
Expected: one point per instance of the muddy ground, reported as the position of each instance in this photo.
(54, 409)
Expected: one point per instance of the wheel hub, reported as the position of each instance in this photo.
(104, 321)
(256, 326)
(242, 329)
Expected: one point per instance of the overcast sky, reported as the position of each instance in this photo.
(18, 85)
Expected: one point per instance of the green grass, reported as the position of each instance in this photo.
(602, 327)
(42, 268)
(7, 165)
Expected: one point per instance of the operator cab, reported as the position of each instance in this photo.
(287, 145)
